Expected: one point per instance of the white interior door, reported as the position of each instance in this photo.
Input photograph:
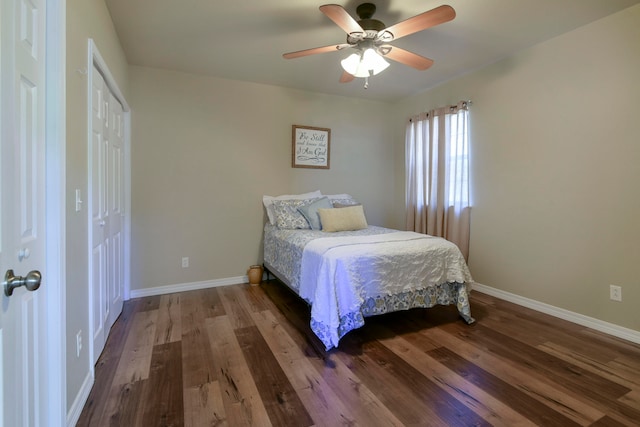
(106, 199)
(22, 202)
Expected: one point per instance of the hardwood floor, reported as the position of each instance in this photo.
(242, 355)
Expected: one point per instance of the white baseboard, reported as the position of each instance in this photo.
(192, 286)
(580, 319)
(81, 398)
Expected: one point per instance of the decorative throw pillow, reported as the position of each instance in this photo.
(310, 212)
(287, 215)
(343, 219)
(341, 200)
(268, 201)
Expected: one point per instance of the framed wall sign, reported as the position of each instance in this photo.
(310, 147)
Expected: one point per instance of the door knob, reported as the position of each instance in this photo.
(31, 281)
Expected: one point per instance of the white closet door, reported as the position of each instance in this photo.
(99, 213)
(106, 200)
(115, 202)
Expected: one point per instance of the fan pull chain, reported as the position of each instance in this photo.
(366, 82)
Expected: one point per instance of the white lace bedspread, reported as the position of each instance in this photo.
(339, 273)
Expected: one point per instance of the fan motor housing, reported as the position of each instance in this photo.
(372, 24)
(365, 12)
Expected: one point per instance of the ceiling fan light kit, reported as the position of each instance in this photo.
(371, 38)
(364, 64)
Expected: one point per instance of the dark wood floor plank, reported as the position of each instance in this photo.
(509, 395)
(621, 348)
(197, 363)
(629, 363)
(255, 298)
(632, 399)
(197, 360)
(120, 331)
(592, 388)
(298, 315)
(581, 379)
(280, 399)
(618, 374)
(149, 303)
(162, 402)
(607, 421)
(245, 355)
(526, 380)
(169, 323)
(549, 323)
(459, 385)
(242, 403)
(329, 391)
(106, 366)
(122, 408)
(136, 354)
(527, 329)
(233, 305)
(412, 397)
(208, 301)
(203, 406)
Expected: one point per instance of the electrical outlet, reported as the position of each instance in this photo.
(185, 262)
(615, 293)
(78, 343)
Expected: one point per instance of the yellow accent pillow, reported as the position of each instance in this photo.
(343, 219)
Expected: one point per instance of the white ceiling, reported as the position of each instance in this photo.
(245, 39)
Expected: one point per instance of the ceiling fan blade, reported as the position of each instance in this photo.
(405, 57)
(337, 14)
(425, 20)
(315, 50)
(346, 77)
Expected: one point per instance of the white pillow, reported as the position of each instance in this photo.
(343, 219)
(267, 201)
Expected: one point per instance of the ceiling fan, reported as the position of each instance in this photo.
(370, 37)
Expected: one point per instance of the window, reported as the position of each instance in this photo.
(437, 168)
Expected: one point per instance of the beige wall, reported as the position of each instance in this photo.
(204, 152)
(85, 19)
(556, 168)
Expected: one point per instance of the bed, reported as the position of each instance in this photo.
(356, 272)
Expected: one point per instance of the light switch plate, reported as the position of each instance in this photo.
(78, 200)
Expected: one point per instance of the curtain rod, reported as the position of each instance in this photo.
(467, 103)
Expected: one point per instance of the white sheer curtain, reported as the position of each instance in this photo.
(437, 167)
